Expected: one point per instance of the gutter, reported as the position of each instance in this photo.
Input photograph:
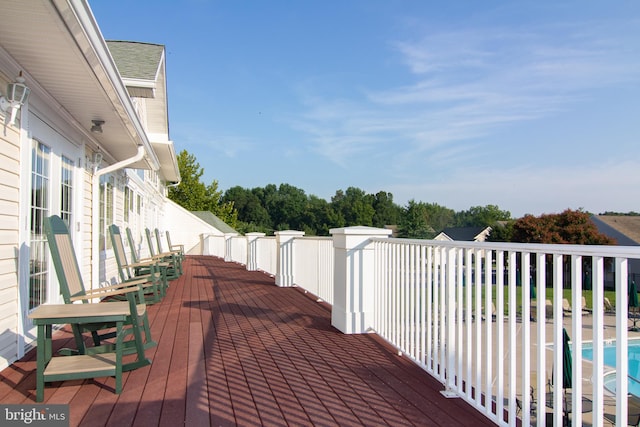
(95, 210)
(83, 28)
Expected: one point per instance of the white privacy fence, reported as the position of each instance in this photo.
(485, 319)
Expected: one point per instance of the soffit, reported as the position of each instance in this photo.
(56, 53)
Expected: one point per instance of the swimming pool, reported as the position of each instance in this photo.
(610, 360)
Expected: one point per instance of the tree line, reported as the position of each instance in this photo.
(285, 207)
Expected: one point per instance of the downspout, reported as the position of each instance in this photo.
(95, 216)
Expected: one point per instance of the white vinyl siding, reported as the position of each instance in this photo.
(9, 226)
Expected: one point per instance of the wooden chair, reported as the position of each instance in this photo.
(176, 253)
(167, 266)
(174, 267)
(153, 271)
(172, 247)
(72, 288)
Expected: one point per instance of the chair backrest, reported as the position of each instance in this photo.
(565, 304)
(119, 253)
(160, 249)
(607, 305)
(132, 245)
(152, 249)
(548, 307)
(168, 239)
(64, 258)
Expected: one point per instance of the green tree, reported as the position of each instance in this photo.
(193, 195)
(251, 214)
(481, 216)
(438, 217)
(414, 223)
(319, 217)
(385, 211)
(502, 232)
(286, 206)
(355, 206)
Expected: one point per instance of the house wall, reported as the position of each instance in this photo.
(85, 255)
(9, 231)
(185, 228)
(46, 120)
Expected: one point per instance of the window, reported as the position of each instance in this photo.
(128, 203)
(106, 210)
(66, 190)
(38, 261)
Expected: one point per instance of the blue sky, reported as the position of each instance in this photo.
(532, 106)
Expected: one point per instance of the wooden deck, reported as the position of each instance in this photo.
(234, 349)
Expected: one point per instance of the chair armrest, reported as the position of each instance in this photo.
(105, 292)
(142, 263)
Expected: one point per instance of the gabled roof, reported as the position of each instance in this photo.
(464, 234)
(625, 229)
(142, 69)
(214, 221)
(136, 60)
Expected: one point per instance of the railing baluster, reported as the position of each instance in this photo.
(500, 328)
(512, 336)
(621, 339)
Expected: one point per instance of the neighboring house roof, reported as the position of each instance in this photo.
(625, 229)
(136, 60)
(465, 234)
(213, 220)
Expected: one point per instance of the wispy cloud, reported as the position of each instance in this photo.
(216, 144)
(466, 85)
(605, 187)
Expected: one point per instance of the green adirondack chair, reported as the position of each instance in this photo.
(174, 269)
(72, 288)
(178, 248)
(176, 253)
(169, 271)
(153, 271)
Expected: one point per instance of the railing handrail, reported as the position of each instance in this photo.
(608, 251)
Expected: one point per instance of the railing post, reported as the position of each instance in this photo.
(252, 250)
(353, 284)
(284, 239)
(228, 253)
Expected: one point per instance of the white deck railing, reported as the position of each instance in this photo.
(422, 297)
(313, 266)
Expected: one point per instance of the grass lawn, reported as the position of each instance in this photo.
(566, 293)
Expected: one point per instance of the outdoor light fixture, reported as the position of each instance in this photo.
(94, 161)
(17, 94)
(97, 126)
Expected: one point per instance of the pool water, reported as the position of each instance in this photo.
(610, 360)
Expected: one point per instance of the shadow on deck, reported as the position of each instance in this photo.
(234, 349)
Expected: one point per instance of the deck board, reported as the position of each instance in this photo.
(234, 349)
